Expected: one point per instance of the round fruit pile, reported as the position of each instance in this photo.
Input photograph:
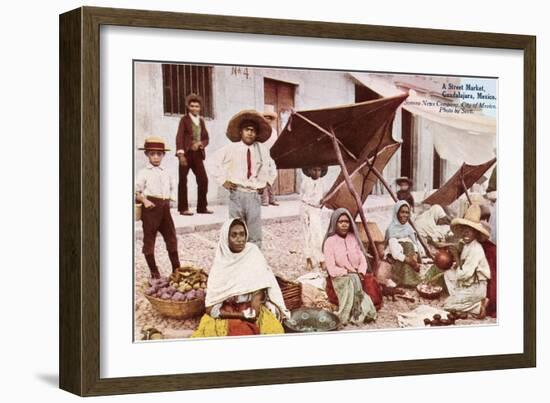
(184, 284)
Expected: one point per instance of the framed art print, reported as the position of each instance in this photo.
(251, 201)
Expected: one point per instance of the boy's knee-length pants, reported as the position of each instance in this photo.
(158, 219)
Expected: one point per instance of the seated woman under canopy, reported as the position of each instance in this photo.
(346, 263)
(433, 224)
(242, 294)
(403, 249)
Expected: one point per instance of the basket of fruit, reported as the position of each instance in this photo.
(180, 296)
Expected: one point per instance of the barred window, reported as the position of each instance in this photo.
(180, 80)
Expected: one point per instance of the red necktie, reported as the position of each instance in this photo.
(248, 164)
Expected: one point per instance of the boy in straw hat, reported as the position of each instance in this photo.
(467, 281)
(404, 192)
(154, 189)
(245, 168)
(191, 141)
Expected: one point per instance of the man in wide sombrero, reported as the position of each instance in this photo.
(245, 168)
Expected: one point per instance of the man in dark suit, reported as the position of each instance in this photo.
(191, 141)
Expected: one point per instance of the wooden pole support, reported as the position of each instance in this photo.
(355, 195)
(394, 197)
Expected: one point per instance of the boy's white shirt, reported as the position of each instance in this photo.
(312, 191)
(473, 263)
(195, 119)
(230, 164)
(155, 182)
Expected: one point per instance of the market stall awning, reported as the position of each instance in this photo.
(454, 187)
(361, 129)
(458, 137)
(363, 180)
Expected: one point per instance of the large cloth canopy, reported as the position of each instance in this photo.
(454, 188)
(361, 129)
(458, 137)
(363, 180)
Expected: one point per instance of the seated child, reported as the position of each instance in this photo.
(404, 192)
(467, 281)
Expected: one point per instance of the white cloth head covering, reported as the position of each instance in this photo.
(398, 230)
(241, 273)
(426, 223)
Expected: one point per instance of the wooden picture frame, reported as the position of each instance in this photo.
(80, 194)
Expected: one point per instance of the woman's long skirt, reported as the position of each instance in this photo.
(354, 305)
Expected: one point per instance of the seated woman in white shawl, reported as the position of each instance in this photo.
(403, 247)
(242, 294)
(433, 224)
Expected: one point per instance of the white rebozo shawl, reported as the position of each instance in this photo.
(234, 274)
(400, 231)
(426, 223)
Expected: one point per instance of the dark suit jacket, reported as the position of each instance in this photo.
(184, 137)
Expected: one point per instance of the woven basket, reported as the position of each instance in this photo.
(292, 293)
(177, 309)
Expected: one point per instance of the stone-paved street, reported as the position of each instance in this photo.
(282, 246)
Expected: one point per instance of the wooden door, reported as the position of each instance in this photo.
(279, 97)
(407, 146)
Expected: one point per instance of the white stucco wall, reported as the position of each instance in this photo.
(231, 93)
(234, 91)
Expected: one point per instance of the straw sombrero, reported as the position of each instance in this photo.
(154, 143)
(402, 179)
(324, 171)
(233, 128)
(472, 219)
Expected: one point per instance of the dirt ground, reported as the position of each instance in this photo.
(282, 247)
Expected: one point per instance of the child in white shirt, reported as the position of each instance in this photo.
(311, 194)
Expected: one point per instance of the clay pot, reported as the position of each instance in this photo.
(443, 259)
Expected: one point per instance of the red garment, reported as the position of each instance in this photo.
(238, 327)
(248, 164)
(370, 287)
(332, 297)
(490, 250)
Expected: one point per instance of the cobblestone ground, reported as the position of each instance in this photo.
(282, 247)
